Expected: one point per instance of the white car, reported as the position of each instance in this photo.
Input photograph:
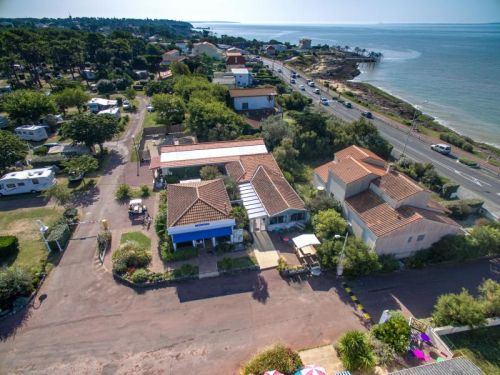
(302, 88)
(150, 108)
(311, 83)
(441, 148)
(324, 100)
(316, 91)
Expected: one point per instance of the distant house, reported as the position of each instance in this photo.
(99, 104)
(183, 46)
(387, 209)
(253, 99)
(165, 75)
(273, 49)
(242, 77)
(88, 74)
(172, 56)
(224, 78)
(206, 48)
(305, 43)
(235, 58)
(199, 211)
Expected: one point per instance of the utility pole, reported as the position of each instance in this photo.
(138, 157)
(340, 266)
(43, 229)
(412, 128)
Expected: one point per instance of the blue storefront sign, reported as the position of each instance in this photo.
(202, 234)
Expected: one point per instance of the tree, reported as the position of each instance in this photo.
(321, 202)
(91, 129)
(25, 106)
(60, 193)
(130, 255)
(295, 101)
(105, 86)
(81, 165)
(286, 155)
(365, 134)
(72, 97)
(12, 149)
(170, 108)
(231, 188)
(458, 310)
(209, 172)
(490, 296)
(179, 68)
(130, 93)
(359, 260)
(274, 129)
(14, 282)
(329, 223)
(395, 332)
(487, 238)
(240, 216)
(355, 351)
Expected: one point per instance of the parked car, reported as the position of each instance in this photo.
(279, 70)
(73, 177)
(311, 83)
(316, 91)
(367, 114)
(441, 148)
(348, 104)
(324, 101)
(302, 88)
(150, 108)
(292, 81)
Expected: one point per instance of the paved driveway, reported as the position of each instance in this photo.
(416, 291)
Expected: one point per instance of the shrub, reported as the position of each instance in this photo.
(449, 189)
(459, 209)
(395, 332)
(278, 357)
(490, 297)
(130, 255)
(41, 150)
(388, 263)
(322, 202)
(9, 246)
(145, 192)
(468, 162)
(123, 192)
(103, 240)
(209, 172)
(140, 276)
(58, 233)
(282, 265)
(226, 263)
(240, 216)
(328, 223)
(105, 86)
(355, 351)
(185, 271)
(458, 310)
(181, 254)
(14, 282)
(359, 259)
(487, 239)
(224, 247)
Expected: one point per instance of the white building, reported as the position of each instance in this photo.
(253, 99)
(27, 181)
(32, 132)
(242, 77)
(206, 48)
(99, 104)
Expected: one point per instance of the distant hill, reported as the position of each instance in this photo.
(167, 28)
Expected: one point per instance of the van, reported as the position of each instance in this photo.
(27, 181)
(441, 148)
(34, 133)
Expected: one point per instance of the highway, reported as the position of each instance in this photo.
(480, 183)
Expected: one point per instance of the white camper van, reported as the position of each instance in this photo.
(27, 181)
(32, 132)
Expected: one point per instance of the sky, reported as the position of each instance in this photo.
(266, 11)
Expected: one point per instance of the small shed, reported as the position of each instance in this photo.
(305, 245)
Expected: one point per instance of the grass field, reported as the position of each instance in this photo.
(150, 120)
(138, 237)
(481, 346)
(22, 223)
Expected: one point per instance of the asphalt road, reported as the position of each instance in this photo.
(480, 183)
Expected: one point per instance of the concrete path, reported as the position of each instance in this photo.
(324, 356)
(264, 250)
(207, 264)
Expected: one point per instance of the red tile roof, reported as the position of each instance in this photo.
(212, 145)
(397, 186)
(197, 202)
(260, 91)
(243, 169)
(350, 169)
(382, 219)
(358, 153)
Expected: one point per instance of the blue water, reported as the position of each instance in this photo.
(451, 72)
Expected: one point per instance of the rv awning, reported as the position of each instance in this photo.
(305, 240)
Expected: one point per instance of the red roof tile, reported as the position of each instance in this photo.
(260, 91)
(397, 186)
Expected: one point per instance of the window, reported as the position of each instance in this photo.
(298, 216)
(35, 181)
(244, 105)
(10, 186)
(277, 220)
(1, 187)
(420, 237)
(21, 184)
(409, 239)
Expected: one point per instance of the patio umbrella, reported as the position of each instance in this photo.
(312, 370)
(273, 372)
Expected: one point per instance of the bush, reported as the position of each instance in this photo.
(458, 310)
(9, 246)
(388, 263)
(449, 189)
(241, 217)
(395, 332)
(209, 172)
(490, 297)
(458, 209)
(224, 247)
(145, 192)
(71, 215)
(41, 150)
(278, 357)
(60, 233)
(282, 265)
(487, 239)
(359, 260)
(123, 192)
(185, 271)
(103, 240)
(130, 255)
(468, 162)
(355, 351)
(328, 223)
(105, 86)
(14, 282)
(181, 254)
(140, 276)
(226, 263)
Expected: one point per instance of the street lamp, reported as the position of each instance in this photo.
(43, 229)
(412, 127)
(340, 266)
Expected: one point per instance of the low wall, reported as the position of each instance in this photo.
(448, 330)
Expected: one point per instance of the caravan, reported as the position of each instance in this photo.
(27, 181)
(32, 132)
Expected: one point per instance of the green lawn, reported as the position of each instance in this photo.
(150, 120)
(481, 346)
(237, 263)
(21, 223)
(139, 237)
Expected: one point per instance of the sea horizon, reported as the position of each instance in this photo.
(449, 71)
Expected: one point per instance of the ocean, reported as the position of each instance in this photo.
(451, 72)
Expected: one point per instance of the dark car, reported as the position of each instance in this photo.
(367, 114)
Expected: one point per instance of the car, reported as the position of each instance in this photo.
(279, 70)
(324, 100)
(348, 104)
(302, 87)
(316, 91)
(315, 269)
(74, 177)
(292, 81)
(367, 114)
(297, 75)
(136, 207)
(150, 108)
(441, 148)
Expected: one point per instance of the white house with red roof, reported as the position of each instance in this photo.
(387, 209)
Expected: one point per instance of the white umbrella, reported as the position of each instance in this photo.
(313, 370)
(273, 372)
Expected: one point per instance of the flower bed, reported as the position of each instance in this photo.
(144, 278)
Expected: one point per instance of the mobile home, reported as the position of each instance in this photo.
(32, 132)
(27, 181)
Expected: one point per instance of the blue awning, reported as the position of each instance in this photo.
(202, 234)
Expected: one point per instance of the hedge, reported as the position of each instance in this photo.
(40, 161)
(9, 245)
(180, 254)
(60, 233)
